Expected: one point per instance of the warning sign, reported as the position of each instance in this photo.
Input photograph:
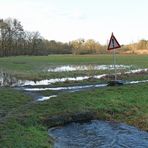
(113, 43)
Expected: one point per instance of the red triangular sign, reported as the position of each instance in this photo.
(113, 43)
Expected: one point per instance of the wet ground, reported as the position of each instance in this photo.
(98, 134)
(69, 68)
(47, 85)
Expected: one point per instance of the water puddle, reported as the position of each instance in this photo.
(68, 68)
(59, 80)
(8, 80)
(79, 88)
(66, 88)
(43, 98)
(80, 78)
(52, 81)
(136, 82)
(137, 71)
(44, 85)
(72, 89)
(98, 134)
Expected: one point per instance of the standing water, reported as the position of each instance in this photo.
(98, 134)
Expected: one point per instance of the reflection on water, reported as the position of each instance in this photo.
(7, 79)
(98, 134)
(87, 67)
(137, 71)
(66, 88)
(52, 81)
(136, 82)
(43, 85)
(43, 98)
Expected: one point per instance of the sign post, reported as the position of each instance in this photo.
(113, 44)
(114, 57)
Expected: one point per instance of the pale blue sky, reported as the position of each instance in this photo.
(66, 20)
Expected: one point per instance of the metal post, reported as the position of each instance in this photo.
(114, 59)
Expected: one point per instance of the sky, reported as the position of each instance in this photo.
(67, 20)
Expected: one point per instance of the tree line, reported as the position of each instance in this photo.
(14, 40)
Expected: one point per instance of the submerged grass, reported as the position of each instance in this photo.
(22, 122)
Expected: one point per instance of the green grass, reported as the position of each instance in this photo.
(128, 104)
(21, 124)
(13, 134)
(21, 118)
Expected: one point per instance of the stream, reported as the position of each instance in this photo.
(98, 134)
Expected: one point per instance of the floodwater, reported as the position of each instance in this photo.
(136, 82)
(98, 134)
(69, 68)
(8, 80)
(71, 89)
(43, 85)
(78, 88)
(137, 71)
(43, 98)
(79, 78)
(66, 88)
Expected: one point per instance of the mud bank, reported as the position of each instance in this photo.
(63, 119)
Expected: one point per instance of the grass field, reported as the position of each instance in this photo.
(21, 117)
(35, 67)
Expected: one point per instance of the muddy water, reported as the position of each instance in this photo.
(98, 134)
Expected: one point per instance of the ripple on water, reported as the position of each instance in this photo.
(99, 134)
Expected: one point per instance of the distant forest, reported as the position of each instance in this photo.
(14, 40)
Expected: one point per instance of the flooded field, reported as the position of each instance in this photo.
(45, 85)
(9, 80)
(38, 93)
(69, 68)
(98, 134)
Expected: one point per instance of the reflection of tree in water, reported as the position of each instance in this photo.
(7, 79)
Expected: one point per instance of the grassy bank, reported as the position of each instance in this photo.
(21, 122)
